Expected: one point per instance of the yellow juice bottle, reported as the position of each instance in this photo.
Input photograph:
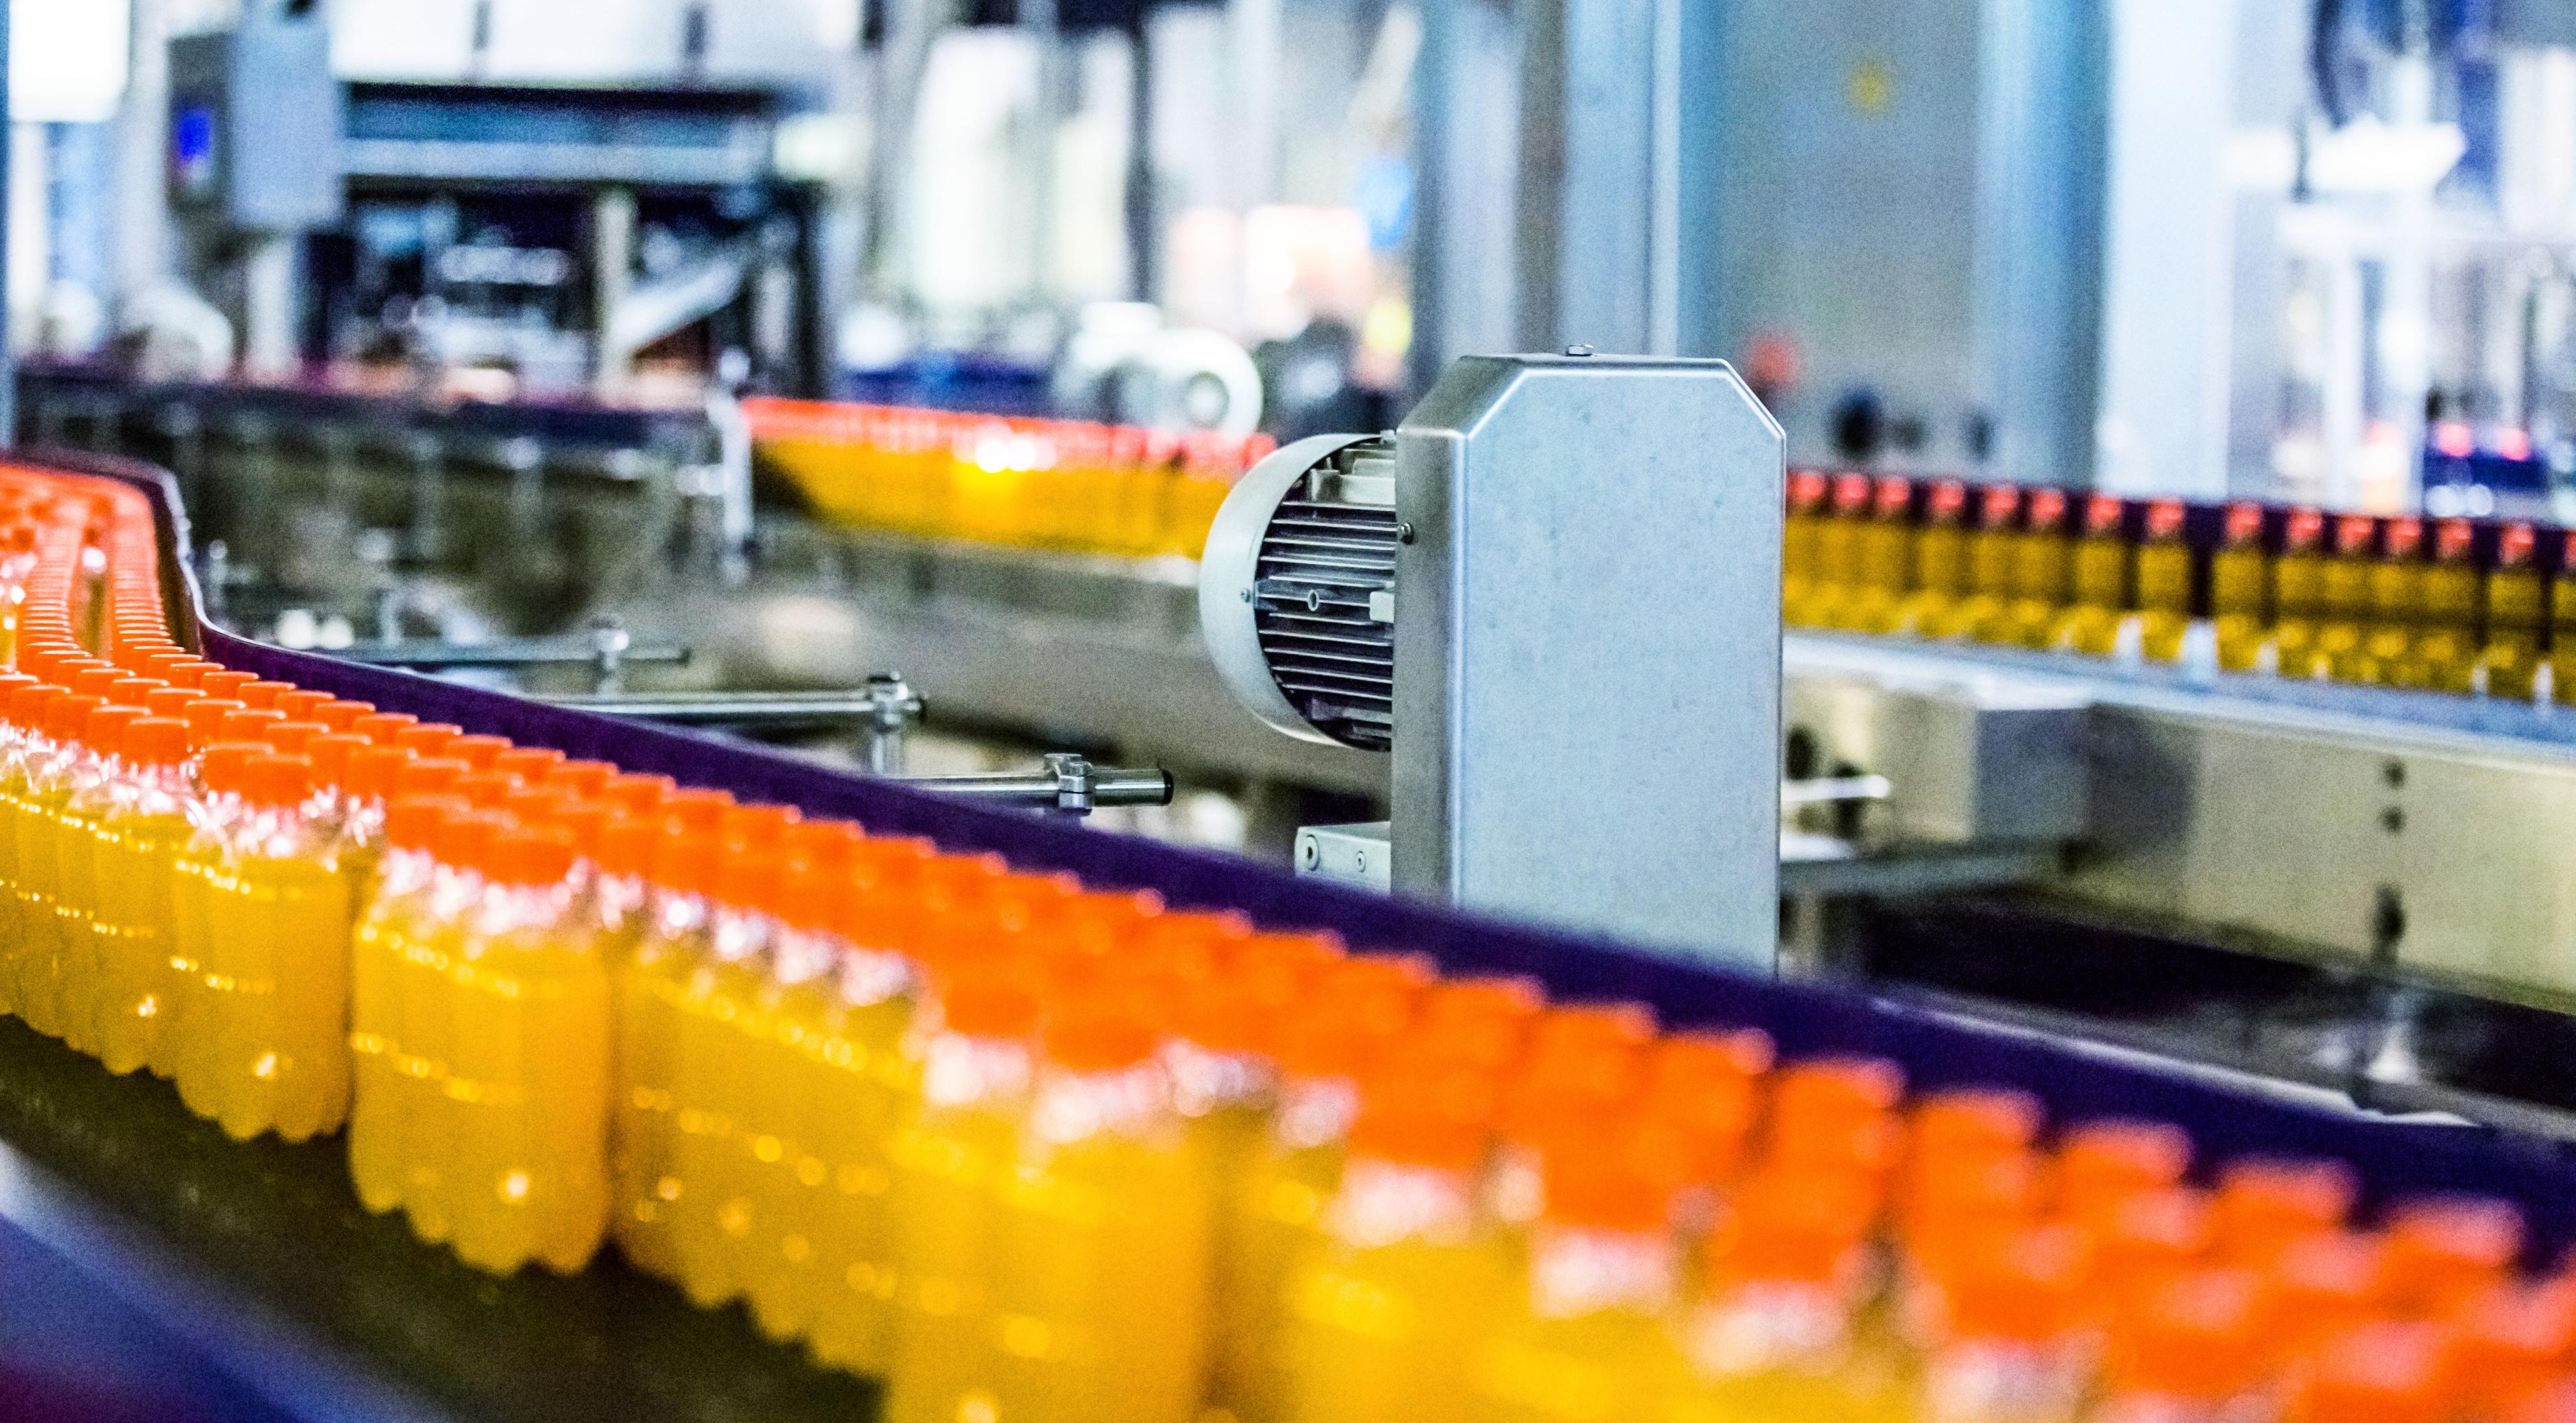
(393, 921)
(140, 828)
(1100, 1265)
(1884, 555)
(2100, 586)
(652, 979)
(1778, 1325)
(1800, 527)
(1838, 553)
(2562, 631)
(724, 1129)
(867, 1082)
(533, 1039)
(2042, 570)
(2513, 600)
(1273, 1226)
(722, 1132)
(1582, 1336)
(2446, 640)
(79, 949)
(2240, 591)
(1984, 615)
(427, 1094)
(2164, 583)
(51, 778)
(2343, 600)
(950, 1161)
(1940, 577)
(1384, 1322)
(2299, 595)
(21, 742)
(2388, 639)
(277, 924)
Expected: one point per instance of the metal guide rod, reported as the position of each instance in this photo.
(1067, 783)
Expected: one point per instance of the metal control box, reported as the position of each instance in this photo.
(255, 119)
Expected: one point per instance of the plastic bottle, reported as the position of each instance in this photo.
(1383, 1325)
(2343, 601)
(978, 1066)
(433, 1190)
(2395, 609)
(198, 972)
(21, 720)
(139, 830)
(530, 1068)
(1983, 615)
(1775, 1333)
(2164, 581)
(395, 920)
(52, 773)
(1940, 575)
(2099, 583)
(277, 911)
(652, 981)
(1100, 1271)
(77, 948)
(1798, 545)
(2042, 570)
(2513, 599)
(1272, 1224)
(2298, 595)
(2189, 1351)
(2445, 652)
(1884, 554)
(1583, 1337)
(1838, 553)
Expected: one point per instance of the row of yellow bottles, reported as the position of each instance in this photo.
(1053, 484)
(2397, 602)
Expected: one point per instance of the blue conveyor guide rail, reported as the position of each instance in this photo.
(263, 1251)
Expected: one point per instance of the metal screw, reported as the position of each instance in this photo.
(1403, 532)
(1247, 595)
(1359, 861)
(1308, 853)
(1578, 350)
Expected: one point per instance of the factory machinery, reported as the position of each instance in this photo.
(254, 1254)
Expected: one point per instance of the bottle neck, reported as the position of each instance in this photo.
(1576, 1271)
(961, 1071)
(1757, 1326)
(1075, 1106)
(1385, 1203)
(1205, 1081)
(1315, 1111)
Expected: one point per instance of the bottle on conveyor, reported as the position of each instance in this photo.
(1940, 577)
(2513, 601)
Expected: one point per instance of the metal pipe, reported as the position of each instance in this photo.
(729, 708)
(1835, 790)
(524, 652)
(1069, 784)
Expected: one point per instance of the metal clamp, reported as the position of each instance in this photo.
(892, 706)
(1068, 784)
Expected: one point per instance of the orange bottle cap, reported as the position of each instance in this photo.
(331, 753)
(94, 681)
(486, 789)
(639, 794)
(300, 705)
(226, 683)
(27, 705)
(343, 717)
(205, 718)
(582, 778)
(1696, 1138)
(1684, 1060)
(1810, 1230)
(293, 738)
(2101, 1161)
(248, 724)
(1836, 1087)
(2151, 1235)
(1098, 1037)
(2196, 1336)
(527, 855)
(1869, 1145)
(419, 822)
(67, 715)
(226, 765)
(277, 781)
(2027, 1288)
(381, 727)
(584, 820)
(2266, 1202)
(104, 732)
(696, 808)
(171, 701)
(1437, 1120)
(528, 763)
(1591, 1189)
(1973, 1121)
(746, 876)
(156, 741)
(478, 752)
(2514, 1341)
(464, 839)
(131, 691)
(1590, 1027)
(423, 776)
(989, 1006)
(368, 774)
(1970, 1192)
(2445, 1251)
(427, 738)
(257, 693)
(626, 844)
